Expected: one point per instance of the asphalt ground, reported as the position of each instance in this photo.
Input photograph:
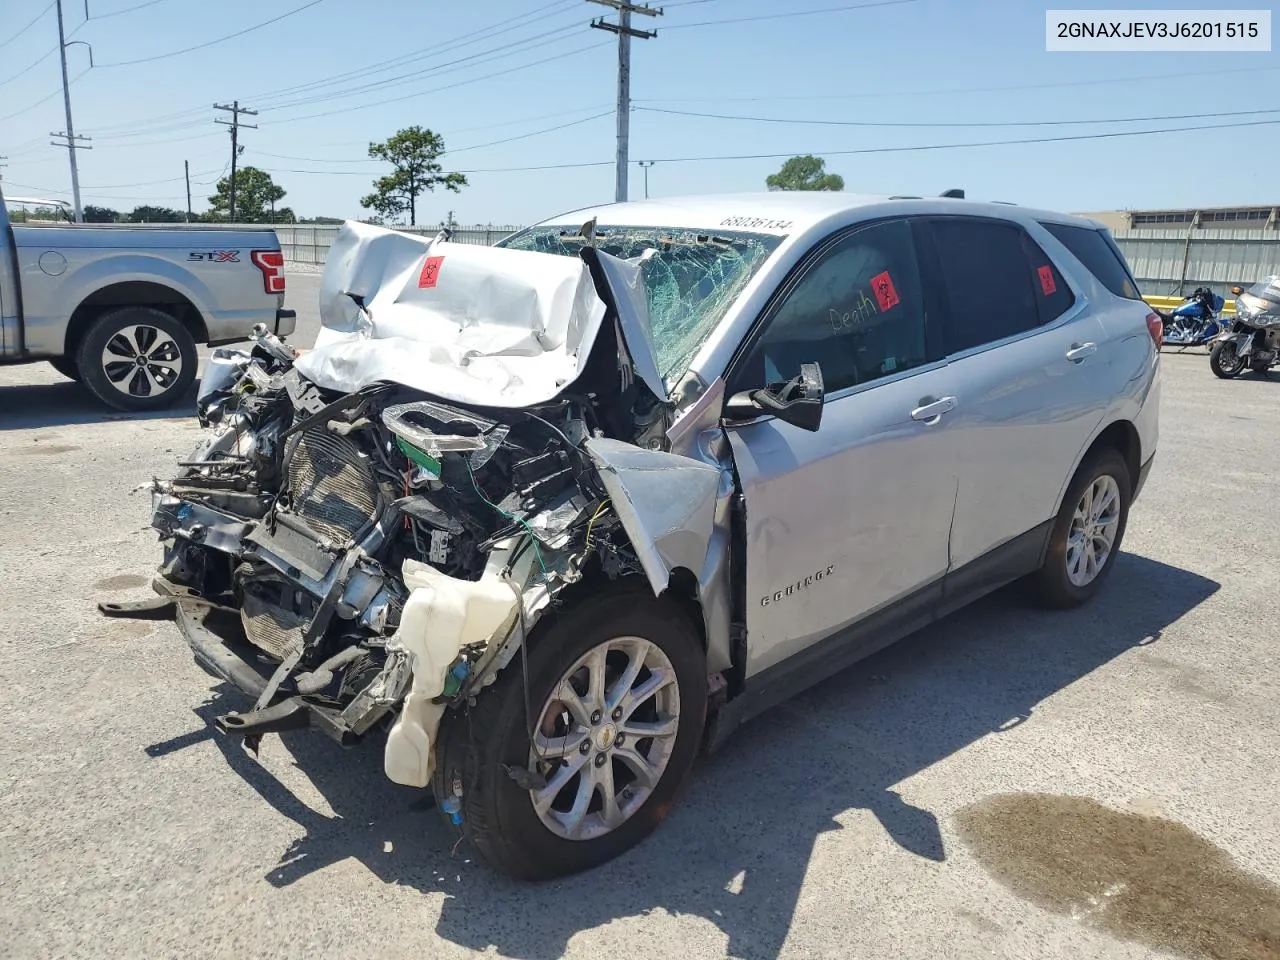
(868, 818)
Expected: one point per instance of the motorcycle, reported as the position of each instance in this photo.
(1253, 339)
(1196, 322)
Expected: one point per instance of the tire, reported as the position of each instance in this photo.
(1054, 582)
(1231, 366)
(125, 384)
(67, 367)
(476, 750)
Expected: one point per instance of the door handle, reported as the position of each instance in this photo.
(931, 410)
(1081, 351)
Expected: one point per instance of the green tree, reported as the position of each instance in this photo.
(804, 173)
(149, 214)
(94, 214)
(413, 152)
(256, 197)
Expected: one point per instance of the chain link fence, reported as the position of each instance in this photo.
(310, 242)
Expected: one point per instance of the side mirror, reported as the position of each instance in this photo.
(797, 402)
(1237, 291)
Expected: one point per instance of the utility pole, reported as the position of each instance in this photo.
(186, 172)
(70, 134)
(625, 32)
(645, 165)
(234, 123)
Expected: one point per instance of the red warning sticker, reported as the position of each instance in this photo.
(1046, 280)
(430, 273)
(886, 294)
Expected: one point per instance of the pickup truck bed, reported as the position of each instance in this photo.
(121, 307)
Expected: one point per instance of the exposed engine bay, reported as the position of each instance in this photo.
(373, 556)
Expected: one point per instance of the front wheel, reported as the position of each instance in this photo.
(1224, 360)
(617, 694)
(137, 358)
(1087, 532)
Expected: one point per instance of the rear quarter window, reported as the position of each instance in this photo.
(1092, 248)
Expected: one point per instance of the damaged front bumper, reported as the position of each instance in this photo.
(219, 646)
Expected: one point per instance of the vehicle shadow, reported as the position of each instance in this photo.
(736, 849)
(34, 405)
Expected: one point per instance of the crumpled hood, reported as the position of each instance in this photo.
(471, 324)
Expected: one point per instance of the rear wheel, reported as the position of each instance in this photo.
(67, 367)
(1224, 361)
(617, 690)
(1087, 532)
(137, 358)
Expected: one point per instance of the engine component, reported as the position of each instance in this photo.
(332, 485)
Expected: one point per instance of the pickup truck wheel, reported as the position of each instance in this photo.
(137, 358)
(1087, 532)
(67, 367)
(618, 694)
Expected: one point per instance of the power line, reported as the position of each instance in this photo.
(158, 125)
(35, 63)
(1005, 88)
(961, 123)
(121, 13)
(34, 20)
(864, 150)
(461, 83)
(789, 14)
(523, 44)
(484, 33)
(210, 43)
(45, 98)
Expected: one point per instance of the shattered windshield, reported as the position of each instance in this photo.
(691, 280)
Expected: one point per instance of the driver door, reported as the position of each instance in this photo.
(850, 520)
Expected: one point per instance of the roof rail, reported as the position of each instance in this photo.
(955, 193)
(905, 196)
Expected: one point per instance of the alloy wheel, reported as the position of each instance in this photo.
(604, 737)
(142, 361)
(1093, 530)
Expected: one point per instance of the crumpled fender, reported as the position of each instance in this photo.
(666, 503)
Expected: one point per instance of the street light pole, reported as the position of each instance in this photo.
(645, 165)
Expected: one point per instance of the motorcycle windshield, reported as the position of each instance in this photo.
(1260, 301)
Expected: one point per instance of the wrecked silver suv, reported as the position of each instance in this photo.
(550, 516)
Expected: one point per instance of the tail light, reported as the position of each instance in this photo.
(271, 263)
(1155, 327)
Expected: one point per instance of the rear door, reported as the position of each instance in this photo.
(1025, 349)
(844, 521)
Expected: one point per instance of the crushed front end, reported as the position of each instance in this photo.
(368, 558)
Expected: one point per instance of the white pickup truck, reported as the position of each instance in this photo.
(122, 308)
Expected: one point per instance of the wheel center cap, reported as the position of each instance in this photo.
(140, 361)
(606, 736)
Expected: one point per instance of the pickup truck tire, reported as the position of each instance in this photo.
(481, 754)
(67, 367)
(137, 358)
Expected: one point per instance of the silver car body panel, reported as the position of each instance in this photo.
(46, 272)
(845, 520)
(666, 503)
(913, 501)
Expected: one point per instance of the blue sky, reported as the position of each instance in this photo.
(906, 61)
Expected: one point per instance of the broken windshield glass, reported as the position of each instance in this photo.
(690, 282)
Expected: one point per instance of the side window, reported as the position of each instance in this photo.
(1053, 296)
(1091, 248)
(857, 311)
(990, 288)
